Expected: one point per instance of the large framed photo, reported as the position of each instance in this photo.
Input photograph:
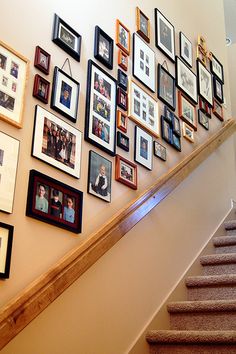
(13, 77)
(99, 176)
(217, 68)
(218, 89)
(204, 83)
(103, 48)
(65, 94)
(143, 109)
(126, 172)
(100, 116)
(66, 38)
(54, 202)
(165, 35)
(56, 142)
(143, 149)
(142, 25)
(9, 151)
(6, 238)
(166, 87)
(186, 80)
(187, 111)
(186, 50)
(42, 60)
(122, 37)
(144, 63)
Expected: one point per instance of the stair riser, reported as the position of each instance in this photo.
(212, 293)
(219, 269)
(230, 232)
(205, 321)
(226, 249)
(192, 349)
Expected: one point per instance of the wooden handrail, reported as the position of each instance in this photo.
(34, 299)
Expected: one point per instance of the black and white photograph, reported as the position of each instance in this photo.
(217, 68)
(186, 80)
(218, 90)
(142, 25)
(203, 119)
(122, 37)
(186, 50)
(187, 111)
(166, 87)
(205, 89)
(165, 35)
(103, 47)
(122, 80)
(159, 150)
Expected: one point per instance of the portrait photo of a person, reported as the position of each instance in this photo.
(41, 202)
(3, 61)
(143, 148)
(69, 212)
(55, 204)
(14, 69)
(65, 97)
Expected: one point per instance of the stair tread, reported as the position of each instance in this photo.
(221, 241)
(211, 280)
(230, 225)
(191, 337)
(202, 306)
(212, 259)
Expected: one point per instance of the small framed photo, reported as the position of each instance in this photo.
(66, 38)
(186, 50)
(122, 60)
(218, 90)
(159, 150)
(166, 131)
(165, 35)
(99, 176)
(143, 148)
(122, 141)
(217, 110)
(204, 107)
(54, 202)
(166, 87)
(122, 121)
(65, 94)
(217, 68)
(126, 172)
(122, 80)
(142, 25)
(100, 116)
(203, 119)
(168, 114)
(187, 111)
(176, 141)
(103, 48)
(186, 80)
(144, 68)
(204, 83)
(14, 69)
(6, 238)
(188, 133)
(9, 152)
(143, 109)
(42, 60)
(56, 142)
(176, 125)
(122, 99)
(122, 37)
(41, 88)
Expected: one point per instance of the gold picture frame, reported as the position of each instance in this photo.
(188, 132)
(142, 25)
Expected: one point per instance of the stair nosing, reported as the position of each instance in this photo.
(217, 259)
(210, 280)
(201, 306)
(223, 241)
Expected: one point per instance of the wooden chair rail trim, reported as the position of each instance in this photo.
(20, 311)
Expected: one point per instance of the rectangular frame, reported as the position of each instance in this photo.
(217, 110)
(187, 111)
(14, 70)
(122, 79)
(6, 239)
(41, 205)
(142, 25)
(166, 91)
(188, 132)
(186, 49)
(203, 119)
(42, 60)
(122, 37)
(164, 35)
(204, 83)
(166, 131)
(176, 141)
(122, 99)
(186, 80)
(56, 142)
(103, 47)
(41, 88)
(143, 148)
(122, 60)
(123, 141)
(218, 89)
(159, 150)
(217, 68)
(100, 115)
(126, 172)
(122, 121)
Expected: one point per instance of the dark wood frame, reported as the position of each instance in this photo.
(173, 142)
(10, 228)
(126, 50)
(119, 143)
(157, 40)
(118, 177)
(176, 131)
(215, 82)
(99, 32)
(200, 121)
(215, 112)
(119, 125)
(180, 106)
(120, 92)
(168, 138)
(140, 13)
(37, 80)
(121, 77)
(37, 63)
(160, 85)
(120, 63)
(154, 151)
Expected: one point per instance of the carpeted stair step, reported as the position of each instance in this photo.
(191, 342)
(217, 264)
(225, 244)
(230, 227)
(203, 315)
(211, 287)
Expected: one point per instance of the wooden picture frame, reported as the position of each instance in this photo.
(143, 148)
(203, 119)
(6, 239)
(217, 110)
(188, 132)
(165, 35)
(122, 60)
(54, 202)
(186, 49)
(41, 88)
(103, 47)
(122, 37)
(205, 89)
(126, 172)
(66, 38)
(187, 111)
(159, 150)
(166, 87)
(142, 25)
(122, 121)
(186, 80)
(42, 60)
(56, 143)
(14, 70)
(123, 141)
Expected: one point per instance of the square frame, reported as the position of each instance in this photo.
(123, 141)
(42, 206)
(100, 124)
(103, 47)
(218, 89)
(99, 176)
(66, 38)
(186, 49)
(41, 88)
(203, 119)
(166, 87)
(126, 172)
(42, 60)
(188, 132)
(56, 143)
(165, 35)
(143, 148)
(217, 68)
(205, 89)
(186, 80)
(14, 69)
(142, 25)
(6, 239)
(122, 121)
(159, 150)
(187, 111)
(122, 37)
(122, 60)
(217, 110)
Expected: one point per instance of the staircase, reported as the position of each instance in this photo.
(206, 323)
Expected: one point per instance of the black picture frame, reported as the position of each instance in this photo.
(204, 79)
(203, 119)
(65, 94)
(218, 90)
(171, 131)
(122, 99)
(166, 132)
(176, 125)
(185, 49)
(6, 239)
(123, 141)
(159, 151)
(176, 142)
(100, 125)
(122, 79)
(66, 38)
(216, 68)
(99, 176)
(52, 211)
(166, 87)
(186, 80)
(168, 114)
(103, 47)
(164, 35)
